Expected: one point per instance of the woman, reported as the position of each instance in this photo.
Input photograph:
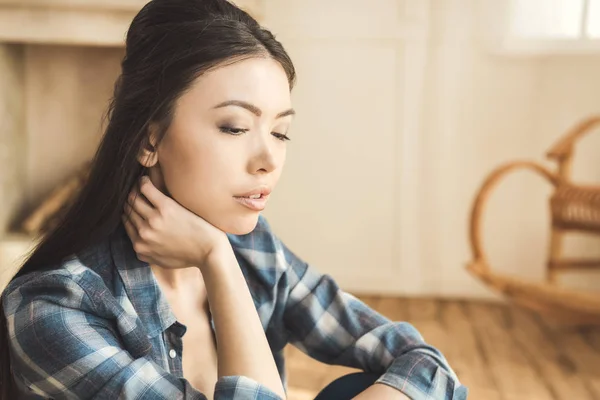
(162, 280)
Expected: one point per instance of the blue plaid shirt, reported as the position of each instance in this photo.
(98, 327)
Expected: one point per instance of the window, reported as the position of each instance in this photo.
(545, 26)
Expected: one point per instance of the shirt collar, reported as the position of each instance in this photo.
(141, 286)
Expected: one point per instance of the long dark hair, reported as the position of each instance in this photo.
(168, 45)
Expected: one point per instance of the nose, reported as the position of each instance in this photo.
(265, 154)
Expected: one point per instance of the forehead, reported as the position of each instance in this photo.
(259, 81)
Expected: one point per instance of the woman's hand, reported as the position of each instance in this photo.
(166, 234)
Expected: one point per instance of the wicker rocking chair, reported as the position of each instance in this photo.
(573, 208)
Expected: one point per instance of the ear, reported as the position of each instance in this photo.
(148, 155)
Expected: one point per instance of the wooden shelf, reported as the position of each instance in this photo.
(95, 5)
(77, 22)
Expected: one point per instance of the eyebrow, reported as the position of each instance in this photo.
(252, 108)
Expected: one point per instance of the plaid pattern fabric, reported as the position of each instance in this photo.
(98, 327)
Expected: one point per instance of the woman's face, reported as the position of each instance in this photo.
(227, 143)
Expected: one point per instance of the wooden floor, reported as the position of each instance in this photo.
(499, 352)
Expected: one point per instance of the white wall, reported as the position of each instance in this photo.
(402, 112)
(337, 205)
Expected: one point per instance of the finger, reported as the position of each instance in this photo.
(140, 205)
(131, 231)
(145, 259)
(154, 196)
(133, 216)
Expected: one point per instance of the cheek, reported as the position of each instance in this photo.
(198, 173)
(185, 165)
(281, 158)
(284, 157)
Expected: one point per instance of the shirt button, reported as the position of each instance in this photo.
(172, 353)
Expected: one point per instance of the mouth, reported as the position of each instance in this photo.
(255, 200)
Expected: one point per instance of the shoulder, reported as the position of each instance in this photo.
(265, 255)
(262, 248)
(73, 283)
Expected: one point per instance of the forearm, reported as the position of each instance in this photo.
(380, 391)
(242, 346)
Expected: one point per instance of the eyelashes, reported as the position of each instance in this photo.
(232, 131)
(281, 136)
(240, 131)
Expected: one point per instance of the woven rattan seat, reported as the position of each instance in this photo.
(576, 207)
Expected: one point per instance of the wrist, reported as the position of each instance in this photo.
(222, 273)
(218, 258)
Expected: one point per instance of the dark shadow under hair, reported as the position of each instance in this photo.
(168, 45)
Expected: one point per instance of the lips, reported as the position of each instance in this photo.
(256, 200)
(262, 191)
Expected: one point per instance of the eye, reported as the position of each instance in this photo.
(281, 136)
(232, 131)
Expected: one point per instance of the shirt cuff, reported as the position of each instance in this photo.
(419, 377)
(242, 388)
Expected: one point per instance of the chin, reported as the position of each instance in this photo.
(239, 225)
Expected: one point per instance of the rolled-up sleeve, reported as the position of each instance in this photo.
(334, 327)
(62, 347)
